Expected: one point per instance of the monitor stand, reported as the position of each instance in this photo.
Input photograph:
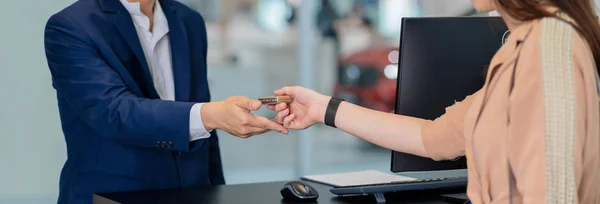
(379, 197)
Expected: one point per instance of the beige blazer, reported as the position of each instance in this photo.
(537, 118)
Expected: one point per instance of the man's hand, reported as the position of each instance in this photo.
(233, 115)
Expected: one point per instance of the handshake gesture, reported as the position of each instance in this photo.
(234, 116)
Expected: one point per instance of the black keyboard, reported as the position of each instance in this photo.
(414, 185)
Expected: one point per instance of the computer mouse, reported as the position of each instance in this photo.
(299, 191)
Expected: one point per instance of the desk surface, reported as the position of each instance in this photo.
(251, 193)
(247, 193)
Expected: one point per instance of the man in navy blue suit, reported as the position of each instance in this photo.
(134, 102)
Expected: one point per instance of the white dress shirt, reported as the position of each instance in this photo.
(157, 50)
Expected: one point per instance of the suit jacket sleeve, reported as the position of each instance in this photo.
(97, 93)
(216, 166)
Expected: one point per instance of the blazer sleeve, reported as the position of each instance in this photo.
(216, 166)
(443, 138)
(98, 95)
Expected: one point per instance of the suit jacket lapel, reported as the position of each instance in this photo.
(124, 24)
(180, 52)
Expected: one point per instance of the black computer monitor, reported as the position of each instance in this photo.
(442, 59)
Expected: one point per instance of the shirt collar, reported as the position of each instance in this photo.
(160, 20)
(161, 25)
(132, 7)
(520, 33)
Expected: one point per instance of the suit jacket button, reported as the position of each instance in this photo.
(158, 144)
(163, 144)
(170, 144)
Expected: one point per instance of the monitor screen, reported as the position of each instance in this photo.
(442, 60)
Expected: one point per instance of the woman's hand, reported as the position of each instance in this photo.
(395, 132)
(307, 108)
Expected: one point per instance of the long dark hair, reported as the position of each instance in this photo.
(581, 11)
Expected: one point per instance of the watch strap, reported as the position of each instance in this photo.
(330, 113)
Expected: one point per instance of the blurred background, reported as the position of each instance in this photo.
(346, 48)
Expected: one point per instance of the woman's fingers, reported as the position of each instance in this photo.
(280, 107)
(287, 121)
(281, 115)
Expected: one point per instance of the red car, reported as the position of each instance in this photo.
(368, 78)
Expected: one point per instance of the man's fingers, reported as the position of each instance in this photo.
(254, 105)
(248, 104)
(271, 107)
(288, 120)
(256, 131)
(262, 122)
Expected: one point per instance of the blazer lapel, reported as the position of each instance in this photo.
(509, 53)
(180, 52)
(124, 24)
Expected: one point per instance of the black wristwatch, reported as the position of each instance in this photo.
(332, 107)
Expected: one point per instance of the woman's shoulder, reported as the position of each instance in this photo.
(555, 39)
(551, 50)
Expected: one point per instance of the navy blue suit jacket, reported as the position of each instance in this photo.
(119, 135)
